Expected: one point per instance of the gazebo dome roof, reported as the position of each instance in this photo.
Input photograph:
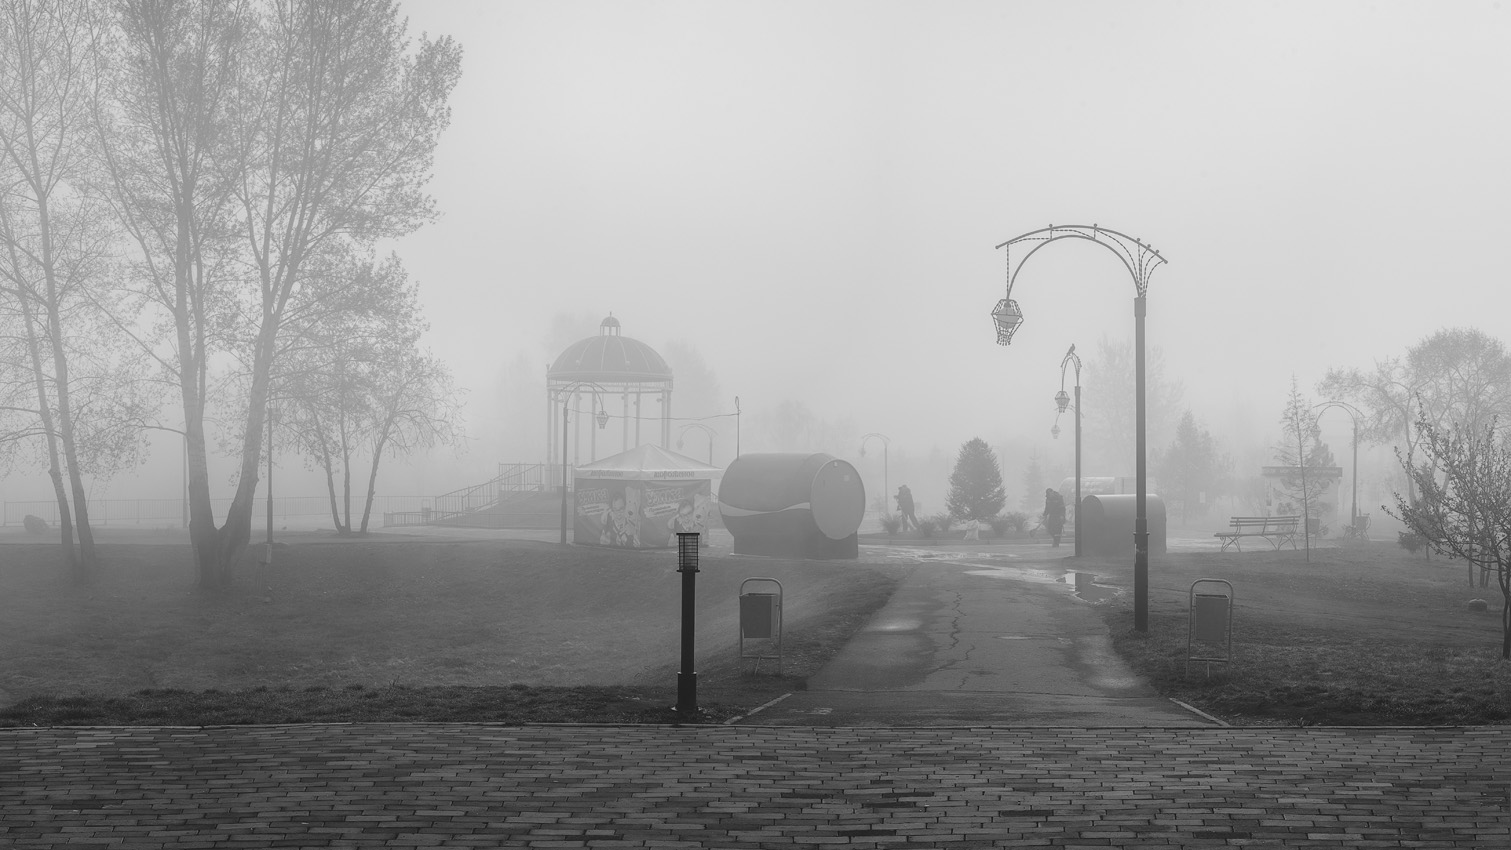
(610, 358)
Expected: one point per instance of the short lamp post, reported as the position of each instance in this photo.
(886, 448)
(687, 565)
(602, 417)
(1062, 401)
(1140, 259)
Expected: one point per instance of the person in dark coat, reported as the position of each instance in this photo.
(1054, 513)
(905, 507)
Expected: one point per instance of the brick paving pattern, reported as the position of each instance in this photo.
(414, 785)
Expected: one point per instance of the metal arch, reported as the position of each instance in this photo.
(1139, 258)
(1321, 408)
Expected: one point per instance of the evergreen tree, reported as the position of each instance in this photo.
(976, 484)
(1191, 468)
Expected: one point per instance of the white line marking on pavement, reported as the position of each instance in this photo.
(731, 721)
(1191, 708)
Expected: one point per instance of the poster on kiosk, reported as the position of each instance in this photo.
(642, 498)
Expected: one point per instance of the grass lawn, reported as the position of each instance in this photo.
(1366, 634)
(496, 631)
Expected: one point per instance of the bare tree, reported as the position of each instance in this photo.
(1464, 507)
(1453, 375)
(292, 126)
(1302, 449)
(54, 242)
(1111, 413)
(356, 382)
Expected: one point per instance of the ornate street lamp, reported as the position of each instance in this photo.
(1140, 260)
(1007, 317)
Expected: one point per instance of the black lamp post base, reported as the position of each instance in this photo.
(687, 693)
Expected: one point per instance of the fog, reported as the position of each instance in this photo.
(806, 198)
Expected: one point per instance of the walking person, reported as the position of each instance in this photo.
(1054, 513)
(905, 508)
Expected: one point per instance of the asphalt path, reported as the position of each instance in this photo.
(1006, 637)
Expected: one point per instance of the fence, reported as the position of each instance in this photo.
(171, 512)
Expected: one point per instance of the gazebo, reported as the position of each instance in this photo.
(601, 381)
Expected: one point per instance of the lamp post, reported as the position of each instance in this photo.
(886, 447)
(1062, 401)
(1140, 260)
(737, 426)
(1353, 414)
(687, 565)
(706, 430)
(602, 416)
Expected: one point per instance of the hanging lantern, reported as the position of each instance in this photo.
(1055, 431)
(603, 419)
(1062, 400)
(1007, 317)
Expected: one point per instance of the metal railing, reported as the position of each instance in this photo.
(170, 512)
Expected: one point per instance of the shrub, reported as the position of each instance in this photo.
(944, 522)
(891, 523)
(1016, 520)
(1000, 525)
(927, 527)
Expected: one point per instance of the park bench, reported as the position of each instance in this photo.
(1276, 529)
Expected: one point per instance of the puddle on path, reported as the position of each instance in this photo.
(1081, 584)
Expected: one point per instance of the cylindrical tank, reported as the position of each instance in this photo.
(792, 505)
(1108, 524)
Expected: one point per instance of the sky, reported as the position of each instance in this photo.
(810, 195)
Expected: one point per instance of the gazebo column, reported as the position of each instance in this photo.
(625, 429)
(576, 429)
(666, 418)
(638, 396)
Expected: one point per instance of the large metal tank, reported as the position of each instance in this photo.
(793, 505)
(1108, 524)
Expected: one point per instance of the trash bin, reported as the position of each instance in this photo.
(758, 615)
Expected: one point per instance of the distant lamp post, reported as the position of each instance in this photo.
(886, 448)
(1062, 401)
(602, 417)
(711, 433)
(1353, 414)
(1140, 260)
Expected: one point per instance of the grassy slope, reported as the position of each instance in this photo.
(1363, 635)
(401, 631)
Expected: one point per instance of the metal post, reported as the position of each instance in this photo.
(1078, 463)
(1141, 517)
(186, 479)
(566, 401)
(1353, 510)
(687, 565)
(270, 485)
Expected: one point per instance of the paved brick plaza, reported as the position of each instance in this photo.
(396, 785)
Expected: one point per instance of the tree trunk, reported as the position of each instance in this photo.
(372, 478)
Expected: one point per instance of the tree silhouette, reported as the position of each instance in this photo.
(976, 484)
